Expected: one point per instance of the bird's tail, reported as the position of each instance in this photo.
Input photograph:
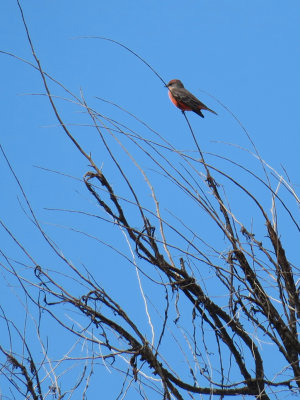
(203, 107)
(198, 111)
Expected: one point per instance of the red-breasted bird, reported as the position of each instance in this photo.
(185, 100)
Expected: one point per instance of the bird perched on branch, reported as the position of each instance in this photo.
(185, 100)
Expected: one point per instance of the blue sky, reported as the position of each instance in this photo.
(240, 53)
(244, 54)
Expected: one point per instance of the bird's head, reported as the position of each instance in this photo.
(175, 83)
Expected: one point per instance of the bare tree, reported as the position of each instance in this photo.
(218, 288)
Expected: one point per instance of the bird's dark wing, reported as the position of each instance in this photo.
(184, 96)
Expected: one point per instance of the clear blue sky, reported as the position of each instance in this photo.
(245, 54)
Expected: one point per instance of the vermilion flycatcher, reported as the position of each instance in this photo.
(185, 100)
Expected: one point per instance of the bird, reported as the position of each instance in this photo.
(184, 100)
